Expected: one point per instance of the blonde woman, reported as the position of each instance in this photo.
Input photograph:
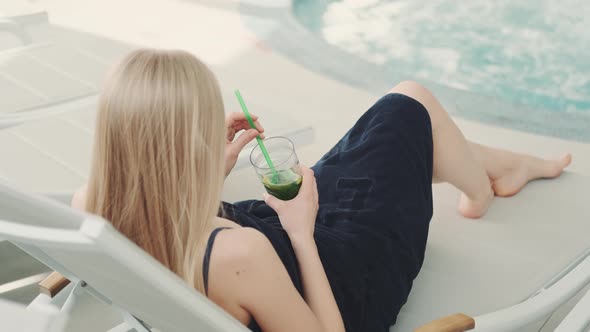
(340, 256)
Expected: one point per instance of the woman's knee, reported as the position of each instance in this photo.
(418, 92)
(411, 87)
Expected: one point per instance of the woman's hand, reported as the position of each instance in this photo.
(236, 122)
(298, 215)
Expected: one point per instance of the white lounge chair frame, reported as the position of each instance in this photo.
(102, 262)
(578, 320)
(555, 293)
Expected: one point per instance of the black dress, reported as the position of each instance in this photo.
(375, 195)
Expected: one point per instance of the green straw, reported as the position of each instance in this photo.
(258, 139)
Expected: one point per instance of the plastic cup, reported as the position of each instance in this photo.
(285, 183)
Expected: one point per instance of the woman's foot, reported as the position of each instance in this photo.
(475, 208)
(526, 168)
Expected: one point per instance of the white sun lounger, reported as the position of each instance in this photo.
(103, 263)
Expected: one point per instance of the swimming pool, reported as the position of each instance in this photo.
(533, 52)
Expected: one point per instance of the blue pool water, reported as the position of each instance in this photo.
(534, 52)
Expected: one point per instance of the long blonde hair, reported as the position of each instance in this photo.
(157, 169)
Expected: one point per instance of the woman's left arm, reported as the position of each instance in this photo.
(79, 199)
(234, 123)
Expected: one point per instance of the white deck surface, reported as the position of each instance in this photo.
(471, 266)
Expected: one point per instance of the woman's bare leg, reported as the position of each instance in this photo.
(454, 161)
(474, 169)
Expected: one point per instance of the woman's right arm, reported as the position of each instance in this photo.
(298, 219)
(317, 291)
(247, 275)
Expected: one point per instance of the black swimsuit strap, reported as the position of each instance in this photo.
(207, 257)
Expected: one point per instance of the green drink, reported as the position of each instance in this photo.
(285, 179)
(285, 185)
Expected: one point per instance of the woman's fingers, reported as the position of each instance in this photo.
(237, 116)
(314, 188)
(237, 119)
(243, 126)
(259, 126)
(236, 146)
(315, 192)
(233, 130)
(275, 203)
(308, 179)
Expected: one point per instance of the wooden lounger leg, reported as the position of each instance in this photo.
(53, 284)
(453, 323)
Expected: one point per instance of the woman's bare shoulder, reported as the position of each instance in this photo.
(79, 198)
(240, 245)
(238, 256)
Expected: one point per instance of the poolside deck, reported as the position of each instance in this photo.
(236, 39)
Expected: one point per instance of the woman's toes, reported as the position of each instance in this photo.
(553, 168)
(527, 170)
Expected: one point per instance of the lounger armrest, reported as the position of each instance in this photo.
(53, 284)
(453, 323)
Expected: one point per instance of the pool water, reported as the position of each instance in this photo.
(534, 52)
